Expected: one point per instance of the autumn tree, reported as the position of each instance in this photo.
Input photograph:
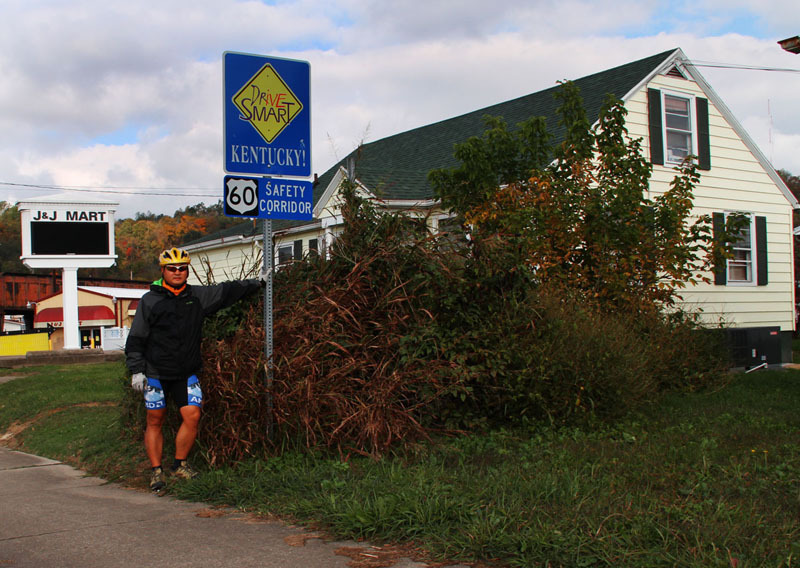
(10, 239)
(577, 214)
(140, 240)
(791, 181)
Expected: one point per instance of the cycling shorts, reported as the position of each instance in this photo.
(184, 392)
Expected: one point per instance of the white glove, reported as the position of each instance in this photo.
(139, 382)
(263, 277)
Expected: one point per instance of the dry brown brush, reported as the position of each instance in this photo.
(342, 375)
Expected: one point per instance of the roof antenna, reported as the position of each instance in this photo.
(771, 142)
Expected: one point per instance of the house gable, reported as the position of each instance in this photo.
(736, 179)
(678, 73)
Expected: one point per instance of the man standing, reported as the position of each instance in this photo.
(163, 353)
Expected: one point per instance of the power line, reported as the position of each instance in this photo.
(127, 190)
(697, 63)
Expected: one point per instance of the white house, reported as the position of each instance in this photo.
(672, 109)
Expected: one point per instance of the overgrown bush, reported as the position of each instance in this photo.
(559, 307)
(342, 376)
(399, 334)
(547, 354)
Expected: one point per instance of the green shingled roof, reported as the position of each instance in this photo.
(397, 167)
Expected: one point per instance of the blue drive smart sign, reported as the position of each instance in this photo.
(267, 115)
(268, 198)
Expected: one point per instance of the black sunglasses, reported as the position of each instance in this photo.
(181, 268)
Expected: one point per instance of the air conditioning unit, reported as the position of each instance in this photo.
(754, 346)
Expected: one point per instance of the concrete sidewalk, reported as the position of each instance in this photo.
(54, 515)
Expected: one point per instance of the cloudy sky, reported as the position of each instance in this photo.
(126, 97)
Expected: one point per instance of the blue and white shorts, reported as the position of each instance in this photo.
(185, 392)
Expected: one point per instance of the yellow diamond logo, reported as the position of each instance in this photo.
(267, 103)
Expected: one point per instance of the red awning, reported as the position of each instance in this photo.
(87, 316)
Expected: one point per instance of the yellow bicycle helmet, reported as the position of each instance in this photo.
(173, 256)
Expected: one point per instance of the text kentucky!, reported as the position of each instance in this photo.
(266, 156)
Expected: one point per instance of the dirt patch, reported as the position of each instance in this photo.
(7, 378)
(301, 538)
(383, 556)
(10, 439)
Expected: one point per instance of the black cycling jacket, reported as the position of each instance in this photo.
(164, 340)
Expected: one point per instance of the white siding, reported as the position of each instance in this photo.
(238, 260)
(234, 261)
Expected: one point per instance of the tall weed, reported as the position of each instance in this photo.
(342, 377)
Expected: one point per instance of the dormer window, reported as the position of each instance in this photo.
(678, 127)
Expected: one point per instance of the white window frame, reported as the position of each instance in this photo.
(283, 247)
(753, 261)
(692, 108)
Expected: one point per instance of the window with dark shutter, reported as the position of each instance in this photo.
(761, 251)
(298, 250)
(656, 131)
(677, 127)
(703, 135)
(748, 262)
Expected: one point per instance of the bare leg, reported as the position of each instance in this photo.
(187, 433)
(153, 436)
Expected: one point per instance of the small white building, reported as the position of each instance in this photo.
(100, 310)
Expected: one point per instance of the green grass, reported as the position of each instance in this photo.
(73, 414)
(49, 387)
(699, 480)
(709, 479)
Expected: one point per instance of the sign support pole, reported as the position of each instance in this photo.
(69, 298)
(267, 268)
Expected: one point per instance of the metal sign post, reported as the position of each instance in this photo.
(267, 198)
(268, 315)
